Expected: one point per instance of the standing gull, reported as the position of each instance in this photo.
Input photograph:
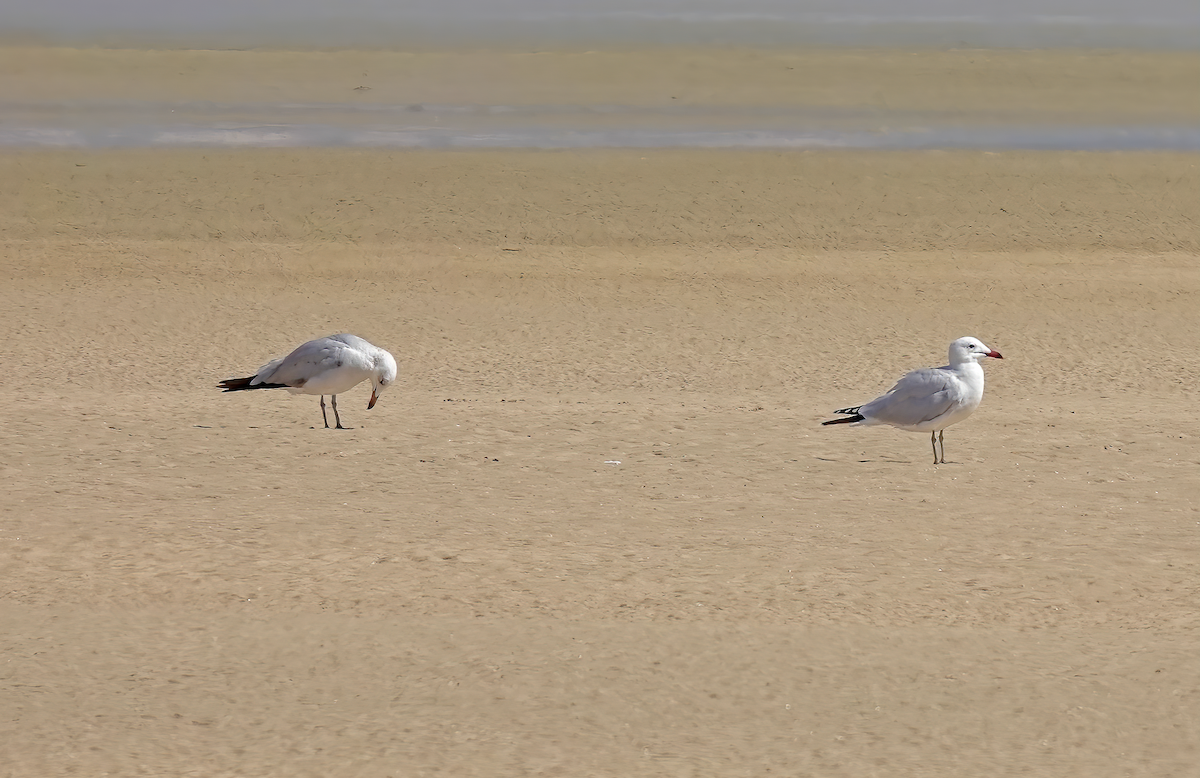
(930, 399)
(324, 366)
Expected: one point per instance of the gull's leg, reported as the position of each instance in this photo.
(333, 397)
(323, 416)
(933, 442)
(942, 440)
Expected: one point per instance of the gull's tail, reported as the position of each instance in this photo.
(853, 416)
(238, 384)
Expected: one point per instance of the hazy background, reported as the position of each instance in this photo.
(385, 23)
(628, 73)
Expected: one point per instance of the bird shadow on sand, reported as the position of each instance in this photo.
(880, 460)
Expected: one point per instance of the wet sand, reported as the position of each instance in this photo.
(596, 528)
(1117, 87)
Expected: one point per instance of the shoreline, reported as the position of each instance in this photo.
(1088, 86)
(697, 98)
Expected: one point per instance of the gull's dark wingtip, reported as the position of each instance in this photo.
(233, 384)
(847, 420)
(238, 384)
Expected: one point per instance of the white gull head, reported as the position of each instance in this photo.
(384, 375)
(970, 349)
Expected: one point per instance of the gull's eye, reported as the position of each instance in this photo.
(383, 382)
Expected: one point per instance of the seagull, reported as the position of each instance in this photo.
(324, 366)
(930, 399)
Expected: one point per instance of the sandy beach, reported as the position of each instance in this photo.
(596, 529)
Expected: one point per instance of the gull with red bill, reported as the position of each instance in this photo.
(930, 399)
(324, 366)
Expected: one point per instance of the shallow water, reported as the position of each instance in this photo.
(116, 124)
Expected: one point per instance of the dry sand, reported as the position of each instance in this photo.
(596, 528)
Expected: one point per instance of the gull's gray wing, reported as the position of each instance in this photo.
(917, 397)
(353, 341)
(297, 368)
